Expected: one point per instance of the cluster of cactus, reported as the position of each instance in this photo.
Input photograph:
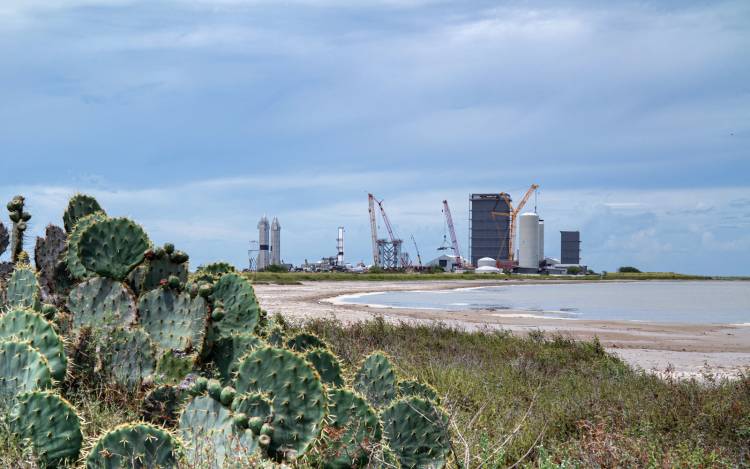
(224, 384)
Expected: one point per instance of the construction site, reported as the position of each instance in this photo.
(502, 238)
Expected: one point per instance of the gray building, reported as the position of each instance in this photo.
(489, 233)
(570, 247)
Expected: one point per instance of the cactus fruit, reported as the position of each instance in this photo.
(352, 433)
(305, 341)
(412, 387)
(173, 320)
(129, 357)
(227, 351)
(211, 436)
(30, 326)
(212, 272)
(161, 265)
(101, 302)
(173, 366)
(242, 312)
(113, 247)
(327, 365)
(376, 379)
(79, 206)
(23, 288)
(47, 254)
(296, 392)
(19, 219)
(22, 369)
(50, 424)
(255, 406)
(135, 446)
(416, 430)
(162, 404)
(72, 257)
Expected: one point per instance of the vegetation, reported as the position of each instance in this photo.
(628, 270)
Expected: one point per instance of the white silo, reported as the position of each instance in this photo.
(528, 241)
(541, 240)
(275, 242)
(263, 258)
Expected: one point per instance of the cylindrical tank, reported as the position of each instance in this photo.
(340, 247)
(263, 257)
(275, 242)
(528, 241)
(486, 262)
(541, 240)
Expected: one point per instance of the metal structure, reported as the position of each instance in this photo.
(528, 241)
(452, 231)
(488, 234)
(263, 244)
(340, 247)
(513, 214)
(419, 257)
(373, 230)
(387, 253)
(541, 238)
(570, 247)
(275, 242)
(252, 254)
(390, 253)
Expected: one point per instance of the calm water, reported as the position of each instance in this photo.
(657, 301)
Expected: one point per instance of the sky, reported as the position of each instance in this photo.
(197, 117)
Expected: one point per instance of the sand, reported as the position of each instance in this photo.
(677, 350)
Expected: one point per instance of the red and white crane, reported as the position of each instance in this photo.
(452, 231)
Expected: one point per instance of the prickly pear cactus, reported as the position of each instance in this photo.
(241, 310)
(416, 430)
(4, 238)
(376, 379)
(135, 446)
(22, 369)
(254, 405)
(79, 206)
(305, 341)
(101, 303)
(352, 433)
(173, 366)
(227, 351)
(161, 406)
(129, 357)
(212, 436)
(297, 393)
(32, 327)
(47, 257)
(212, 272)
(72, 255)
(161, 264)
(174, 320)
(19, 219)
(327, 365)
(113, 247)
(412, 387)
(23, 288)
(50, 424)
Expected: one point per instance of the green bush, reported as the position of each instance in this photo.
(628, 270)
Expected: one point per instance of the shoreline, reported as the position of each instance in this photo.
(682, 349)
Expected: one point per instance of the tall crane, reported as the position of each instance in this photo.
(452, 231)
(373, 230)
(419, 258)
(513, 216)
(392, 236)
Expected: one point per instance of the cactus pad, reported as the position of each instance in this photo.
(32, 327)
(305, 341)
(79, 206)
(254, 405)
(47, 254)
(113, 247)
(4, 238)
(23, 289)
(417, 431)
(173, 366)
(353, 432)
(50, 424)
(22, 369)
(296, 392)
(412, 387)
(327, 365)
(101, 302)
(376, 379)
(129, 357)
(173, 320)
(207, 427)
(242, 312)
(72, 257)
(161, 265)
(227, 351)
(162, 404)
(134, 446)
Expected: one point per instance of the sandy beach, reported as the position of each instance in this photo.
(682, 350)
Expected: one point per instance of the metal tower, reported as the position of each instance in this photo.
(275, 242)
(263, 257)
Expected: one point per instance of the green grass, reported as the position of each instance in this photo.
(541, 401)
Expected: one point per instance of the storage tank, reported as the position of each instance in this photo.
(275, 242)
(528, 241)
(541, 240)
(263, 257)
(486, 262)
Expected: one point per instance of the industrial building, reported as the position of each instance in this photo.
(528, 243)
(570, 247)
(489, 233)
(263, 244)
(275, 242)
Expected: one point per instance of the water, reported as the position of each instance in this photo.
(654, 301)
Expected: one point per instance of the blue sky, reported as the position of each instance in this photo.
(196, 117)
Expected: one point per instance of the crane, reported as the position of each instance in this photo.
(373, 230)
(513, 214)
(392, 236)
(419, 258)
(452, 231)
